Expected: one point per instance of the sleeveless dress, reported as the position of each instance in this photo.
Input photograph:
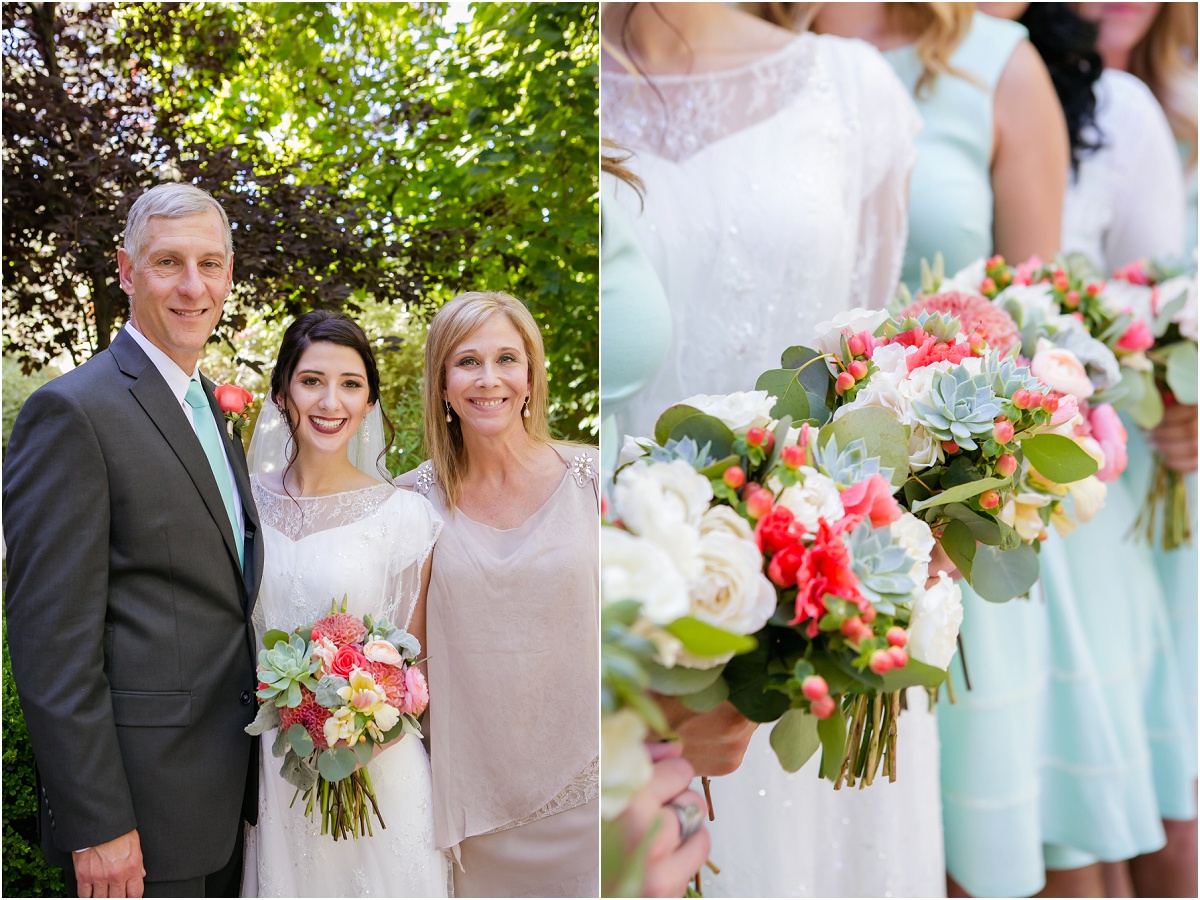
(368, 545)
(990, 734)
(775, 199)
(1118, 757)
(513, 648)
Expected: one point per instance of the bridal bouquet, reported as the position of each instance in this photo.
(1134, 336)
(735, 520)
(334, 690)
(987, 448)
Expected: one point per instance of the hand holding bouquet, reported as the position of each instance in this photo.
(335, 690)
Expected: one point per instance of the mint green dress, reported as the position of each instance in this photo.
(635, 325)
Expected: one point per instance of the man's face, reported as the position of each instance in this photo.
(177, 290)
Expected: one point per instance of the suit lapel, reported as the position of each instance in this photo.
(152, 393)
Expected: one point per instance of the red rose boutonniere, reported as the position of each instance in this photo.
(235, 402)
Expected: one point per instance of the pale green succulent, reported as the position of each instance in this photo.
(686, 449)
(942, 327)
(849, 466)
(1007, 376)
(961, 407)
(284, 668)
(883, 567)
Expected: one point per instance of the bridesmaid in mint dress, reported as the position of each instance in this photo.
(966, 203)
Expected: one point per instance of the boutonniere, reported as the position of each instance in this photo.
(235, 402)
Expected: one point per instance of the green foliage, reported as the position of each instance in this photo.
(17, 388)
(26, 872)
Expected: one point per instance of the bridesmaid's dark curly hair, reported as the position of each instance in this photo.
(1067, 44)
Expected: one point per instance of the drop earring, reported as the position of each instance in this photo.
(525, 411)
(366, 430)
(449, 417)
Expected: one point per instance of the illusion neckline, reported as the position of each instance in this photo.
(257, 480)
(680, 77)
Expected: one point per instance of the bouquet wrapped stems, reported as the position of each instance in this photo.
(872, 739)
(1168, 497)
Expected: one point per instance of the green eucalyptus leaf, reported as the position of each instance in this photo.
(671, 417)
(337, 763)
(364, 750)
(748, 687)
(985, 529)
(1058, 458)
(914, 674)
(704, 429)
(1181, 371)
(811, 370)
(884, 435)
(273, 637)
(680, 679)
(709, 698)
(791, 399)
(794, 739)
(300, 740)
(832, 732)
(702, 639)
(1000, 575)
(961, 492)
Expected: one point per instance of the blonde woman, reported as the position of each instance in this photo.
(513, 612)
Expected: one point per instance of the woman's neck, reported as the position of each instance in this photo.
(687, 38)
(319, 474)
(497, 459)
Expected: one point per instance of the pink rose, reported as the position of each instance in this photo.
(1136, 337)
(346, 660)
(873, 498)
(416, 692)
(1110, 434)
(1068, 408)
(232, 398)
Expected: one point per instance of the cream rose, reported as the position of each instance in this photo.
(1061, 370)
(732, 593)
(851, 321)
(816, 498)
(917, 540)
(625, 766)
(663, 502)
(633, 568)
(382, 652)
(741, 409)
(936, 617)
(723, 518)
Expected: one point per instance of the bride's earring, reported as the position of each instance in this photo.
(365, 431)
(525, 411)
(449, 417)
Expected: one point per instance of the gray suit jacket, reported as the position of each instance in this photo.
(129, 617)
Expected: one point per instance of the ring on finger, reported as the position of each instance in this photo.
(690, 817)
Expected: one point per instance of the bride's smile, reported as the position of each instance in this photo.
(327, 397)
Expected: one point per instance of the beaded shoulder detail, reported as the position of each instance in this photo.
(426, 478)
(583, 468)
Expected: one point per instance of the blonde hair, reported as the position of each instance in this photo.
(1165, 60)
(940, 28)
(452, 324)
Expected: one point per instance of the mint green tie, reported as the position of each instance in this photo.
(210, 440)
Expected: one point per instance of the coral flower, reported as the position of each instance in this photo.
(872, 497)
(823, 570)
(975, 313)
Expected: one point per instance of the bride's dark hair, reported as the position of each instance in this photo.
(331, 328)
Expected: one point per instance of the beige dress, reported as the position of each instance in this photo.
(513, 642)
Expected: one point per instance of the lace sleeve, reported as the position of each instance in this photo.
(417, 527)
(888, 124)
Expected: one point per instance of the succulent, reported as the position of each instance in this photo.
(686, 449)
(849, 466)
(961, 407)
(284, 669)
(883, 567)
(1007, 376)
(944, 328)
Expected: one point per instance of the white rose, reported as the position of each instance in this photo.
(663, 502)
(851, 321)
(1185, 317)
(1061, 370)
(723, 518)
(917, 540)
(892, 359)
(633, 568)
(741, 409)
(966, 280)
(625, 765)
(816, 498)
(881, 390)
(732, 593)
(633, 449)
(933, 628)
(1138, 299)
(1020, 300)
(924, 450)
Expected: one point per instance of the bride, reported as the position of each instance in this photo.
(333, 528)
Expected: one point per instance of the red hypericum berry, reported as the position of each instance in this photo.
(824, 707)
(977, 342)
(1003, 432)
(1050, 404)
(1035, 399)
(950, 446)
(897, 636)
(794, 457)
(1094, 289)
(814, 687)
(1061, 282)
(603, 508)
(755, 436)
(769, 443)
(1020, 399)
(734, 477)
(989, 499)
(881, 662)
(987, 285)
(759, 504)
(994, 261)
(1071, 300)
(851, 627)
(858, 369)
(1006, 465)
(844, 382)
(856, 345)
(899, 657)
(868, 614)
(1042, 535)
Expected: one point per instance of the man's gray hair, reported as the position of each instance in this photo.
(173, 200)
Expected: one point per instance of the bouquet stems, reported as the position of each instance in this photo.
(346, 806)
(1167, 498)
(871, 741)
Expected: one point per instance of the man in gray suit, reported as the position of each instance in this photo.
(133, 563)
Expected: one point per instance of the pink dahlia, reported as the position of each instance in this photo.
(341, 628)
(977, 314)
(390, 679)
(310, 714)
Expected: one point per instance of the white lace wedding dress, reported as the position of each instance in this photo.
(775, 199)
(369, 545)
